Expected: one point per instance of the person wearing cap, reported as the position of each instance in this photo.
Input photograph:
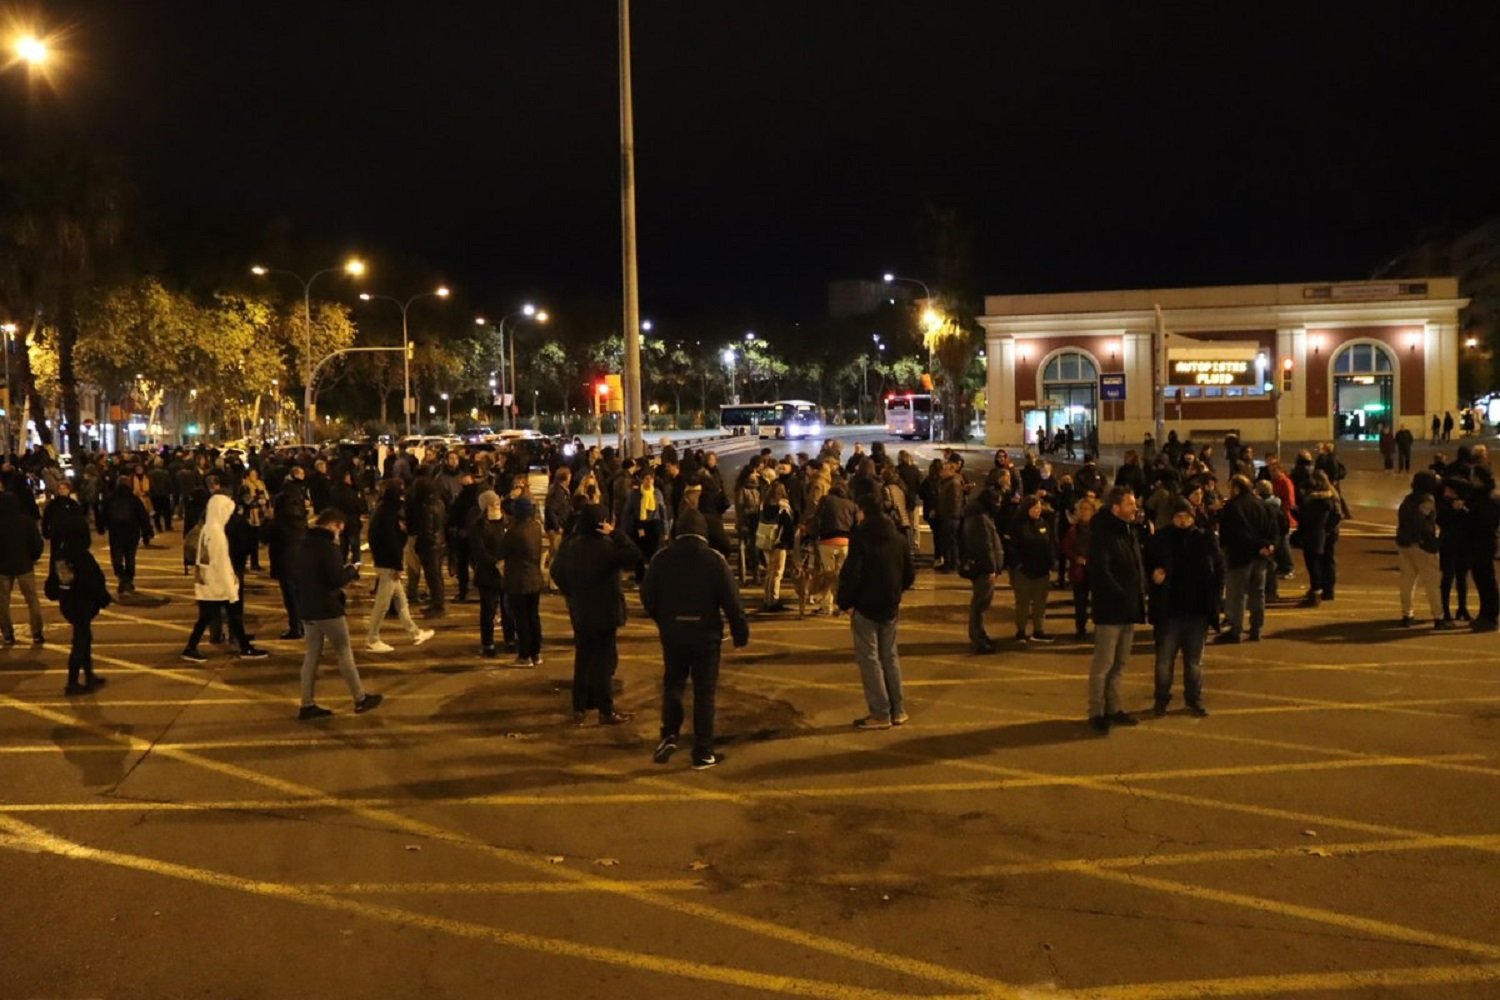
(587, 571)
(689, 592)
(1186, 573)
(486, 538)
(521, 552)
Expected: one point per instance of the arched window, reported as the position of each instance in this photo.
(1363, 359)
(1070, 366)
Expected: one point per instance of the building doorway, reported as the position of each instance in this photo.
(1070, 390)
(1364, 391)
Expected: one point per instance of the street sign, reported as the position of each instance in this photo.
(1112, 387)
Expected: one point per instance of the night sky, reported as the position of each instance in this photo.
(785, 144)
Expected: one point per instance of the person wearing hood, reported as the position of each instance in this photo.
(521, 552)
(486, 541)
(587, 571)
(20, 548)
(1186, 572)
(321, 575)
(980, 561)
(216, 587)
(878, 570)
(77, 584)
(689, 592)
(388, 553)
(1417, 549)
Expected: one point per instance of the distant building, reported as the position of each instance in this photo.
(1473, 257)
(861, 296)
(1361, 354)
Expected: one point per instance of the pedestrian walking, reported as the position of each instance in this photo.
(1417, 549)
(388, 554)
(77, 584)
(1116, 590)
(690, 592)
(878, 570)
(20, 548)
(216, 587)
(587, 571)
(521, 552)
(128, 525)
(980, 560)
(321, 575)
(1186, 576)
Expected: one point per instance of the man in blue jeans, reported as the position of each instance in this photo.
(1116, 584)
(1186, 572)
(1247, 532)
(878, 570)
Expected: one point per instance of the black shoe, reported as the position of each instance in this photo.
(10, 640)
(39, 640)
(94, 682)
(1444, 625)
(488, 652)
(1197, 711)
(434, 613)
(312, 712)
(1463, 614)
(193, 656)
(1159, 709)
(982, 647)
(253, 653)
(1310, 601)
(291, 633)
(706, 762)
(1099, 723)
(615, 718)
(1407, 621)
(1123, 719)
(1484, 625)
(1253, 635)
(665, 749)
(1041, 637)
(1226, 638)
(1020, 635)
(73, 687)
(368, 702)
(216, 640)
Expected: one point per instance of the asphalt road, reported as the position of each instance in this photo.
(1330, 830)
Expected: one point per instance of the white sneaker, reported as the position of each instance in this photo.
(380, 647)
(422, 636)
(536, 661)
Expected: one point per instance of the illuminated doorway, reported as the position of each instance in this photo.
(1363, 391)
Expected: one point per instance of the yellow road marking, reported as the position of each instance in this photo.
(37, 839)
(1347, 981)
(512, 888)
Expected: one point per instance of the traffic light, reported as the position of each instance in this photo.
(411, 350)
(1286, 374)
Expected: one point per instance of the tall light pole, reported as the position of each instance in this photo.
(8, 330)
(728, 356)
(441, 292)
(354, 267)
(635, 442)
(448, 411)
(528, 311)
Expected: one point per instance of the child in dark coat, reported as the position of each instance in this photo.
(77, 584)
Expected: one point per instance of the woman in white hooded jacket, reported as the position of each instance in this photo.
(215, 585)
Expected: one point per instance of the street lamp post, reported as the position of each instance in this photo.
(528, 311)
(353, 267)
(448, 415)
(8, 330)
(440, 292)
(728, 356)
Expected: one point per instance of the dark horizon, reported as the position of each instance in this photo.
(781, 147)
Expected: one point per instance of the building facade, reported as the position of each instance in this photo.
(1292, 362)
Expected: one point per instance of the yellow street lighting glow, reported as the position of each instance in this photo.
(258, 270)
(479, 321)
(443, 292)
(355, 266)
(365, 296)
(542, 316)
(930, 319)
(31, 49)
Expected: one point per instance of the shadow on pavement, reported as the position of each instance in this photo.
(1362, 632)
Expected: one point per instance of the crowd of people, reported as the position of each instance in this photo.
(1169, 538)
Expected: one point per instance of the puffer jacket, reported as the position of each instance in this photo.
(521, 549)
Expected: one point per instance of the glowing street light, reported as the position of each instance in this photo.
(527, 311)
(31, 50)
(441, 292)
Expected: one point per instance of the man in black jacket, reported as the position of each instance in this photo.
(1116, 588)
(20, 548)
(320, 577)
(388, 553)
(878, 571)
(980, 561)
(688, 591)
(1248, 534)
(1186, 572)
(587, 571)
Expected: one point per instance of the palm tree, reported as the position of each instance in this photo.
(60, 214)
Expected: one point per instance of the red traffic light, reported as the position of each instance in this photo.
(602, 388)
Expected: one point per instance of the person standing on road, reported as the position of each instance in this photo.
(1186, 576)
(775, 534)
(1033, 551)
(689, 592)
(1247, 532)
(1404, 441)
(645, 519)
(950, 498)
(388, 553)
(557, 517)
(833, 524)
(587, 571)
(521, 551)
(1417, 550)
(1319, 514)
(77, 584)
(878, 571)
(285, 533)
(980, 560)
(1116, 588)
(321, 575)
(486, 536)
(129, 525)
(20, 548)
(216, 587)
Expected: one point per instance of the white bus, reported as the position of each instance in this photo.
(785, 418)
(909, 415)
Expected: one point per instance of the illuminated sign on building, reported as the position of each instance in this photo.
(1215, 372)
